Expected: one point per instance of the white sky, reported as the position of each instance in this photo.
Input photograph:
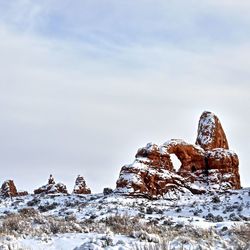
(84, 84)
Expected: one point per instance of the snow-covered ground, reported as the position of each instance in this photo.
(97, 221)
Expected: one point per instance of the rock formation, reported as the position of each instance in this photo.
(206, 165)
(150, 176)
(191, 156)
(80, 186)
(210, 132)
(223, 168)
(8, 189)
(52, 188)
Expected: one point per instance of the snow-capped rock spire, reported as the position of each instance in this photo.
(80, 186)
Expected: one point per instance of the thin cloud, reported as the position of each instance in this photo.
(80, 91)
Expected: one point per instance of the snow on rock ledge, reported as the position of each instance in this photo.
(208, 165)
(191, 156)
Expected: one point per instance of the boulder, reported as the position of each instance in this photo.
(80, 186)
(153, 155)
(107, 191)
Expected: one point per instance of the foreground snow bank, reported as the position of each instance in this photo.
(180, 221)
(141, 240)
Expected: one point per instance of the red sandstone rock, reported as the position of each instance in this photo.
(150, 177)
(155, 156)
(225, 165)
(205, 166)
(8, 189)
(191, 156)
(210, 132)
(80, 186)
(52, 188)
(51, 180)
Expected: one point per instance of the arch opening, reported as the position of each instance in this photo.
(176, 162)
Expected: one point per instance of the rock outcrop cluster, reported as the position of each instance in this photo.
(206, 165)
(9, 189)
(80, 186)
(52, 187)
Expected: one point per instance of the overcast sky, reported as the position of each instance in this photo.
(85, 83)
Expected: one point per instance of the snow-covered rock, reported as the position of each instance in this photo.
(210, 132)
(52, 187)
(9, 189)
(80, 186)
(206, 165)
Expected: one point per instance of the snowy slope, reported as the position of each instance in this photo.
(213, 221)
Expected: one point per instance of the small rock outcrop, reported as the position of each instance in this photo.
(154, 155)
(9, 189)
(80, 186)
(206, 165)
(52, 188)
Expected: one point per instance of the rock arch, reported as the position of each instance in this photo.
(191, 156)
(206, 165)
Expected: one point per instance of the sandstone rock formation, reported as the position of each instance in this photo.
(210, 132)
(223, 168)
(191, 156)
(52, 188)
(151, 177)
(154, 155)
(80, 186)
(206, 165)
(8, 189)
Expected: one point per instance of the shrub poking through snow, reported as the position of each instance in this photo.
(216, 199)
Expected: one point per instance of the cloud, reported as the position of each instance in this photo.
(83, 85)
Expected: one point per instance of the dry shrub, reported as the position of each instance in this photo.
(242, 233)
(30, 222)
